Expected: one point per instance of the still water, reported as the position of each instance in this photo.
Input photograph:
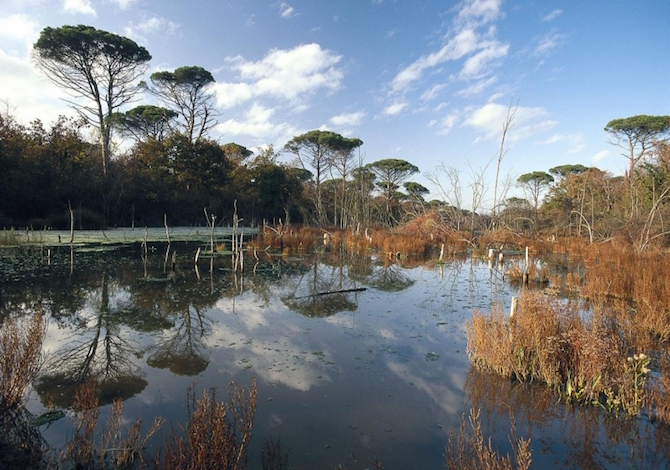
(380, 370)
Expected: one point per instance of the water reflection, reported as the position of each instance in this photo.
(567, 436)
(181, 349)
(95, 349)
(382, 371)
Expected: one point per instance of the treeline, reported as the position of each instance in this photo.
(173, 169)
(587, 202)
(48, 171)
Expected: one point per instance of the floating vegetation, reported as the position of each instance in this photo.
(431, 356)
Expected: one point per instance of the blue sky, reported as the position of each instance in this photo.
(425, 81)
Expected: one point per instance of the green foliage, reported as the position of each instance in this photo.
(186, 91)
(416, 190)
(69, 43)
(638, 135)
(236, 153)
(539, 178)
(640, 125)
(95, 65)
(319, 150)
(565, 170)
(144, 122)
(391, 172)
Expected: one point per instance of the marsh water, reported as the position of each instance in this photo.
(380, 369)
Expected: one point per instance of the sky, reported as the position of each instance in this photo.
(426, 81)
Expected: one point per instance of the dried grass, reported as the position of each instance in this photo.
(585, 361)
(20, 357)
(217, 433)
(114, 447)
(470, 451)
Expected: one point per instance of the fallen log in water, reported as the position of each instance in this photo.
(342, 291)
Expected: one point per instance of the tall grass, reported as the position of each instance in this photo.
(217, 434)
(20, 357)
(113, 447)
(469, 450)
(585, 360)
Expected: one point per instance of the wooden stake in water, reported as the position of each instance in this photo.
(167, 233)
(526, 274)
(527, 264)
(69, 206)
(514, 307)
(211, 235)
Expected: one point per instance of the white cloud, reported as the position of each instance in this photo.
(473, 13)
(20, 28)
(148, 26)
(547, 43)
(479, 64)
(27, 92)
(233, 94)
(463, 43)
(257, 123)
(600, 156)
(348, 119)
(441, 106)
(489, 119)
(124, 4)
(285, 74)
(395, 108)
(553, 15)
(477, 88)
(446, 123)
(433, 92)
(462, 40)
(575, 142)
(82, 7)
(286, 10)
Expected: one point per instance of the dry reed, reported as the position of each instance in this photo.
(273, 456)
(113, 448)
(470, 451)
(217, 433)
(20, 357)
(585, 361)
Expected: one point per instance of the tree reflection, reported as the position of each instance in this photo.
(95, 350)
(182, 352)
(317, 293)
(389, 278)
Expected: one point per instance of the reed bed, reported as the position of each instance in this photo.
(20, 357)
(217, 434)
(586, 360)
(112, 447)
(470, 451)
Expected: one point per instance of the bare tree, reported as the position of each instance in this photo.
(507, 125)
(447, 183)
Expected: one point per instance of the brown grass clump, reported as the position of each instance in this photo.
(549, 341)
(217, 433)
(640, 278)
(114, 447)
(20, 357)
(470, 451)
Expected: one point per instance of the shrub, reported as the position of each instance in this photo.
(20, 357)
